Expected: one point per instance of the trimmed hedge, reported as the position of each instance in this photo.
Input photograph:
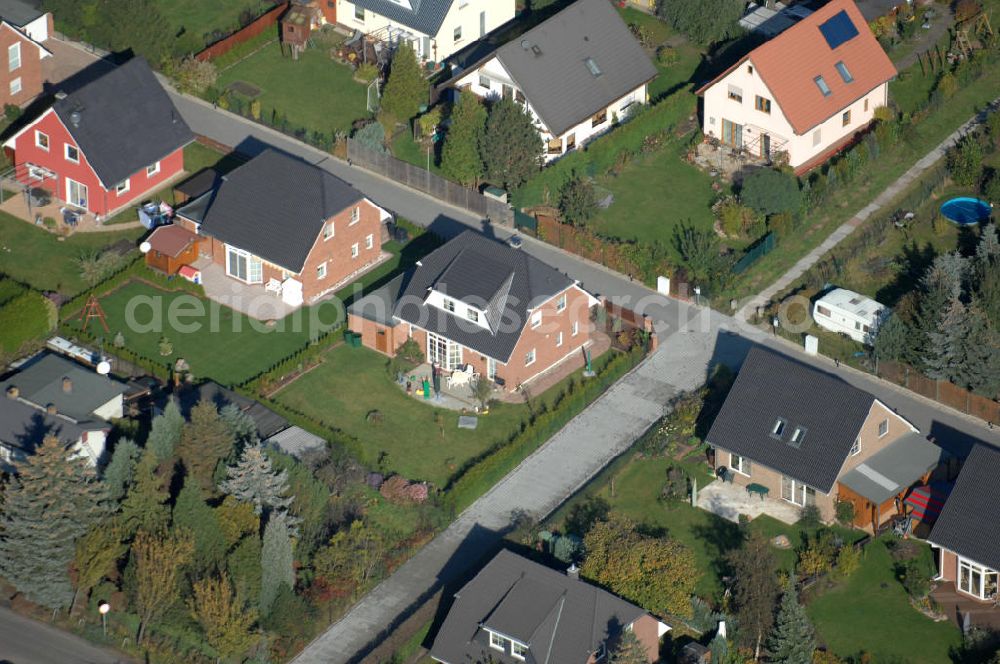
(482, 472)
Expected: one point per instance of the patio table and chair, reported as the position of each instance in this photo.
(755, 489)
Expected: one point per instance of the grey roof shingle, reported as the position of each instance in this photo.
(40, 382)
(24, 427)
(968, 522)
(562, 620)
(19, 13)
(123, 121)
(531, 282)
(426, 15)
(558, 83)
(772, 386)
(267, 421)
(273, 206)
(893, 469)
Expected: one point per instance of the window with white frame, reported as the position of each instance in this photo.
(817, 137)
(355, 250)
(796, 492)
(484, 81)
(856, 447)
(739, 464)
(122, 186)
(355, 215)
(778, 427)
(370, 242)
(14, 56)
(536, 319)
(472, 314)
(529, 358)
(497, 642)
(152, 169)
(976, 580)
(446, 354)
(518, 650)
(359, 14)
(321, 271)
(15, 86)
(42, 140)
(559, 339)
(576, 327)
(72, 154)
(328, 231)
(449, 305)
(561, 303)
(797, 436)
(883, 427)
(458, 34)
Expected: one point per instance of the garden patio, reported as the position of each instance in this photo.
(730, 500)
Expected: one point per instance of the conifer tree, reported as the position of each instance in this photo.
(159, 559)
(205, 441)
(120, 471)
(629, 650)
(253, 480)
(145, 505)
(945, 357)
(982, 354)
(165, 432)
(460, 158)
(407, 89)
(240, 424)
(53, 500)
(192, 513)
(276, 561)
(96, 554)
(755, 590)
(793, 640)
(511, 145)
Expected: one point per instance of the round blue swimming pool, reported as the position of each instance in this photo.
(966, 211)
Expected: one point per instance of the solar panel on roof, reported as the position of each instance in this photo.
(838, 29)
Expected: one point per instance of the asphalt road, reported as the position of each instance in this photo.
(26, 641)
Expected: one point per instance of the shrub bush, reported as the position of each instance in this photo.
(366, 72)
(666, 56)
(845, 512)
(372, 136)
(25, 318)
(965, 161)
(771, 192)
(577, 200)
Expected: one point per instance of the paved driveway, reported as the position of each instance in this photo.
(25, 641)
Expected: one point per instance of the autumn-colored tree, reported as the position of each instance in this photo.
(353, 555)
(159, 558)
(236, 520)
(755, 590)
(657, 573)
(96, 553)
(223, 615)
(205, 441)
(629, 650)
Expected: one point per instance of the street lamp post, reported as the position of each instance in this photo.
(104, 608)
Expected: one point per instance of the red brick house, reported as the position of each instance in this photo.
(515, 610)
(476, 301)
(106, 145)
(284, 223)
(23, 30)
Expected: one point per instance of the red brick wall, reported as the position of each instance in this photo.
(30, 71)
(336, 251)
(99, 200)
(645, 628)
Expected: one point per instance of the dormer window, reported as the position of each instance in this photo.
(472, 314)
(844, 72)
(449, 305)
(536, 319)
(856, 447)
(823, 87)
(497, 642)
(797, 436)
(518, 650)
(778, 428)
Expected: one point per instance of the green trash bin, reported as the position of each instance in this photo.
(356, 340)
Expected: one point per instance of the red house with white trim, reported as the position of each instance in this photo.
(106, 145)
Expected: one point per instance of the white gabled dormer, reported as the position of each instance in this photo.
(459, 308)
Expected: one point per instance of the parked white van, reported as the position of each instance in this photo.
(850, 313)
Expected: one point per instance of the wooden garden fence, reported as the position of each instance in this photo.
(942, 391)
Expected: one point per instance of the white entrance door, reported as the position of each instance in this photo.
(76, 193)
(236, 263)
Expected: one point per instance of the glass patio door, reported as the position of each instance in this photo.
(446, 354)
(976, 580)
(76, 193)
(797, 493)
(236, 264)
(732, 133)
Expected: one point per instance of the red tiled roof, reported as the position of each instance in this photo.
(790, 63)
(171, 240)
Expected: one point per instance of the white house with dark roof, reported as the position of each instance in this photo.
(476, 302)
(515, 610)
(965, 534)
(54, 395)
(799, 435)
(434, 28)
(577, 73)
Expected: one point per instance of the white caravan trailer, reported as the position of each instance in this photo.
(850, 313)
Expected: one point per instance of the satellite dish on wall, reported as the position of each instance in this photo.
(145, 247)
(104, 367)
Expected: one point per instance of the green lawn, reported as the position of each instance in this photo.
(870, 612)
(352, 382)
(314, 91)
(38, 258)
(673, 76)
(216, 341)
(193, 21)
(637, 485)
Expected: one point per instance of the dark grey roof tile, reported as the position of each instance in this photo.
(968, 522)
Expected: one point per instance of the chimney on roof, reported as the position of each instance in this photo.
(67, 384)
(573, 572)
(13, 392)
(51, 409)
